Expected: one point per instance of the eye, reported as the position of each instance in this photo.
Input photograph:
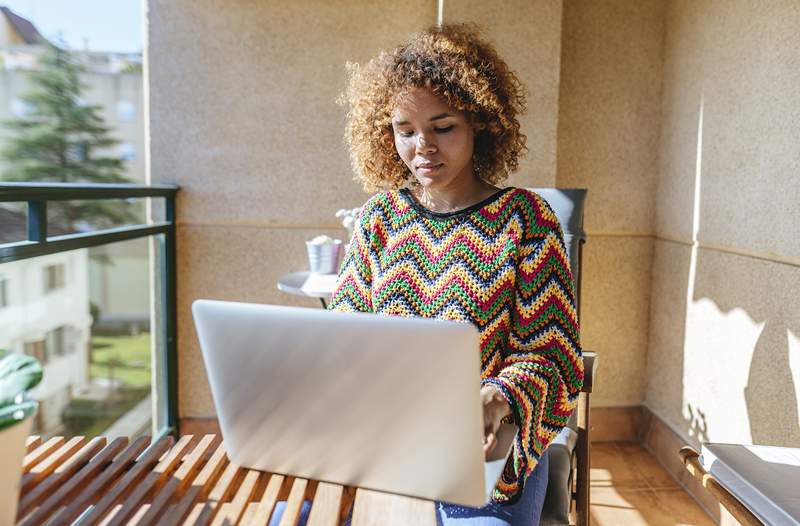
(404, 133)
(443, 130)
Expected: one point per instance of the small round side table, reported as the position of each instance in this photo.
(308, 285)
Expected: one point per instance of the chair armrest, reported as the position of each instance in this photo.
(589, 368)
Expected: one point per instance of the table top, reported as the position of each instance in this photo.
(305, 283)
(185, 481)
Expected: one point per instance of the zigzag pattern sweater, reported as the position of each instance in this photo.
(501, 265)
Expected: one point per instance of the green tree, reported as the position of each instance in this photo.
(61, 139)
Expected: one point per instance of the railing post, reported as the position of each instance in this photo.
(37, 221)
(170, 317)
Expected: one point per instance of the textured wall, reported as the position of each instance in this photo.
(242, 116)
(527, 34)
(608, 127)
(724, 353)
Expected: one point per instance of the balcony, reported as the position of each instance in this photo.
(684, 135)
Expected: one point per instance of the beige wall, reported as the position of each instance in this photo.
(245, 120)
(608, 142)
(724, 352)
(528, 36)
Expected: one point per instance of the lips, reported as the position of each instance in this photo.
(428, 167)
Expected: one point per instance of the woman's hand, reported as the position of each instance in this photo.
(495, 408)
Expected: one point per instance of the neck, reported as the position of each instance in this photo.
(454, 196)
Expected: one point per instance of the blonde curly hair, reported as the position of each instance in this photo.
(465, 71)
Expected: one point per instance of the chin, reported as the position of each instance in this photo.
(432, 181)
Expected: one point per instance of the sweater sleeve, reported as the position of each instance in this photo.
(542, 370)
(353, 290)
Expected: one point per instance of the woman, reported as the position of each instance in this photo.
(433, 127)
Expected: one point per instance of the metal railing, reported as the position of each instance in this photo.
(37, 196)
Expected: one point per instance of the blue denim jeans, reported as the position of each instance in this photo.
(525, 512)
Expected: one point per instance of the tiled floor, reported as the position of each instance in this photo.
(629, 487)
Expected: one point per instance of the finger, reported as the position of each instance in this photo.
(490, 442)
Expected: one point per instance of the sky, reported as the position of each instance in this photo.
(106, 25)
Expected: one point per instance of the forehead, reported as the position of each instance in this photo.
(420, 103)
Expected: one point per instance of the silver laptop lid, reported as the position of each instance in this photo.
(380, 402)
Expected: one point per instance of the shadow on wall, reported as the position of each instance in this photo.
(720, 331)
(770, 391)
(761, 288)
(720, 359)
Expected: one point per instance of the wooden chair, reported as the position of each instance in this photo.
(569, 454)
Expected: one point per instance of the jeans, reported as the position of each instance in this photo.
(525, 512)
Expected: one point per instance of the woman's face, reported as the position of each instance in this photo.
(434, 141)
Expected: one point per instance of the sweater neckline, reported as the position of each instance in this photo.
(406, 193)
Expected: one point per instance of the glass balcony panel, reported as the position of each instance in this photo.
(13, 222)
(66, 217)
(86, 316)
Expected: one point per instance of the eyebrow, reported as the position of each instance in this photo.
(434, 118)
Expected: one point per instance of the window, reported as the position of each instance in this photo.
(36, 349)
(126, 111)
(127, 151)
(3, 292)
(53, 277)
(55, 343)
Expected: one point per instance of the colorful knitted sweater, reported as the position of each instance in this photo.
(501, 265)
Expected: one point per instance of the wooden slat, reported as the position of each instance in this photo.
(167, 483)
(291, 514)
(249, 513)
(101, 484)
(199, 488)
(179, 481)
(77, 481)
(42, 469)
(128, 481)
(164, 467)
(41, 453)
(60, 476)
(375, 507)
(111, 515)
(267, 503)
(204, 513)
(32, 443)
(231, 512)
(326, 505)
(140, 513)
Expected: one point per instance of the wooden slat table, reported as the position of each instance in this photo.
(188, 481)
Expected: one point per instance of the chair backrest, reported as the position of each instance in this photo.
(568, 205)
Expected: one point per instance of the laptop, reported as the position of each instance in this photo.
(379, 402)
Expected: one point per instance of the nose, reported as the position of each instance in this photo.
(424, 144)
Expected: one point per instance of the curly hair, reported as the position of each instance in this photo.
(460, 67)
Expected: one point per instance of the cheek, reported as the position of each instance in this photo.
(460, 145)
(405, 149)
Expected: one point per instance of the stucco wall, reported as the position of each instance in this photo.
(243, 117)
(608, 128)
(724, 352)
(528, 36)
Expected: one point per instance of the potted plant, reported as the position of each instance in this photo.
(18, 374)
